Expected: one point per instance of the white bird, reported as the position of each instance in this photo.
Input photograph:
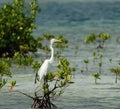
(44, 67)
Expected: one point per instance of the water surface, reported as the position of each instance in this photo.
(76, 19)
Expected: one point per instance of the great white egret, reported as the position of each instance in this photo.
(44, 67)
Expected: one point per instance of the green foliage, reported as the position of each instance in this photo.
(104, 36)
(110, 60)
(16, 25)
(36, 65)
(94, 57)
(50, 76)
(61, 78)
(86, 61)
(64, 70)
(100, 56)
(97, 38)
(2, 83)
(64, 44)
(48, 36)
(4, 68)
(4, 71)
(28, 60)
(116, 71)
(90, 38)
(76, 49)
(61, 46)
(23, 60)
(13, 82)
(96, 76)
(94, 54)
(100, 66)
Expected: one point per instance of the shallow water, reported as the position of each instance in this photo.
(83, 94)
(86, 95)
(75, 20)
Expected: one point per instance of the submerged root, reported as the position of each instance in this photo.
(40, 102)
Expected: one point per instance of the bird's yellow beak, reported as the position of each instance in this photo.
(58, 41)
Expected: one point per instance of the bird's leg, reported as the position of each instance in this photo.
(36, 76)
(45, 80)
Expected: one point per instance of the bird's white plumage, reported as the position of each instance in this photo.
(44, 67)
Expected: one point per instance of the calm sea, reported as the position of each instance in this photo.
(75, 19)
(79, 18)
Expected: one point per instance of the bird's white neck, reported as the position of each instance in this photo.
(52, 54)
